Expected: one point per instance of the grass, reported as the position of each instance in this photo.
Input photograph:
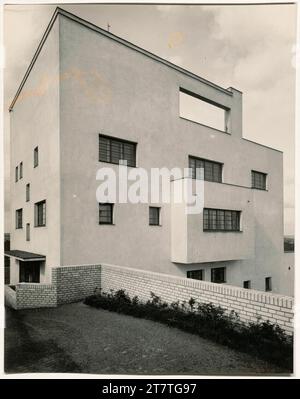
(80, 338)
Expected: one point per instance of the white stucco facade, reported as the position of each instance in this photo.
(86, 82)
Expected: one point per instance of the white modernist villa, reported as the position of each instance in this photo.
(90, 99)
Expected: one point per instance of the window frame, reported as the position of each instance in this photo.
(190, 273)
(247, 282)
(192, 158)
(37, 214)
(19, 212)
(122, 142)
(262, 174)
(220, 220)
(111, 220)
(27, 192)
(158, 216)
(213, 270)
(36, 157)
(27, 231)
(268, 284)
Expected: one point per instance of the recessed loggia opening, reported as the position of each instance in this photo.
(201, 110)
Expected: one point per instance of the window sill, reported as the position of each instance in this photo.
(119, 164)
(42, 225)
(106, 224)
(260, 189)
(222, 231)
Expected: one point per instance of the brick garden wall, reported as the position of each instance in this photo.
(34, 295)
(74, 283)
(249, 304)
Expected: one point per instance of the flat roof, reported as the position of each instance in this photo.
(24, 255)
(110, 35)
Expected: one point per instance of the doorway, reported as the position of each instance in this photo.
(29, 272)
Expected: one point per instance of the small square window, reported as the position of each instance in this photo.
(36, 156)
(19, 218)
(259, 180)
(218, 275)
(154, 216)
(40, 213)
(27, 192)
(106, 213)
(268, 283)
(247, 284)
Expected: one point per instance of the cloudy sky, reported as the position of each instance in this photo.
(248, 47)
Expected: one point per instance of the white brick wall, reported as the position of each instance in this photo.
(249, 304)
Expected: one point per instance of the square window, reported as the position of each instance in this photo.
(106, 213)
(117, 151)
(154, 216)
(218, 275)
(259, 180)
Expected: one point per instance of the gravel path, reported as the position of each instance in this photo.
(79, 338)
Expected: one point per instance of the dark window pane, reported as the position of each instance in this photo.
(258, 180)
(117, 151)
(195, 274)
(154, 216)
(218, 275)
(208, 170)
(17, 174)
(27, 192)
(221, 220)
(21, 170)
(27, 232)
(19, 218)
(247, 284)
(268, 283)
(36, 156)
(105, 213)
(40, 213)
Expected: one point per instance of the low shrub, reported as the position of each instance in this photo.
(261, 339)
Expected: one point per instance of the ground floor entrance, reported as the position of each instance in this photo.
(30, 272)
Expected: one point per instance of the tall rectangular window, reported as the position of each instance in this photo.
(40, 214)
(221, 220)
(16, 174)
(117, 151)
(27, 231)
(21, 170)
(206, 170)
(36, 156)
(19, 218)
(218, 275)
(106, 213)
(154, 216)
(196, 274)
(259, 180)
(268, 284)
(27, 192)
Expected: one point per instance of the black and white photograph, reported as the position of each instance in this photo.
(149, 189)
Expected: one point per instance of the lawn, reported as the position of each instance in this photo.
(78, 338)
